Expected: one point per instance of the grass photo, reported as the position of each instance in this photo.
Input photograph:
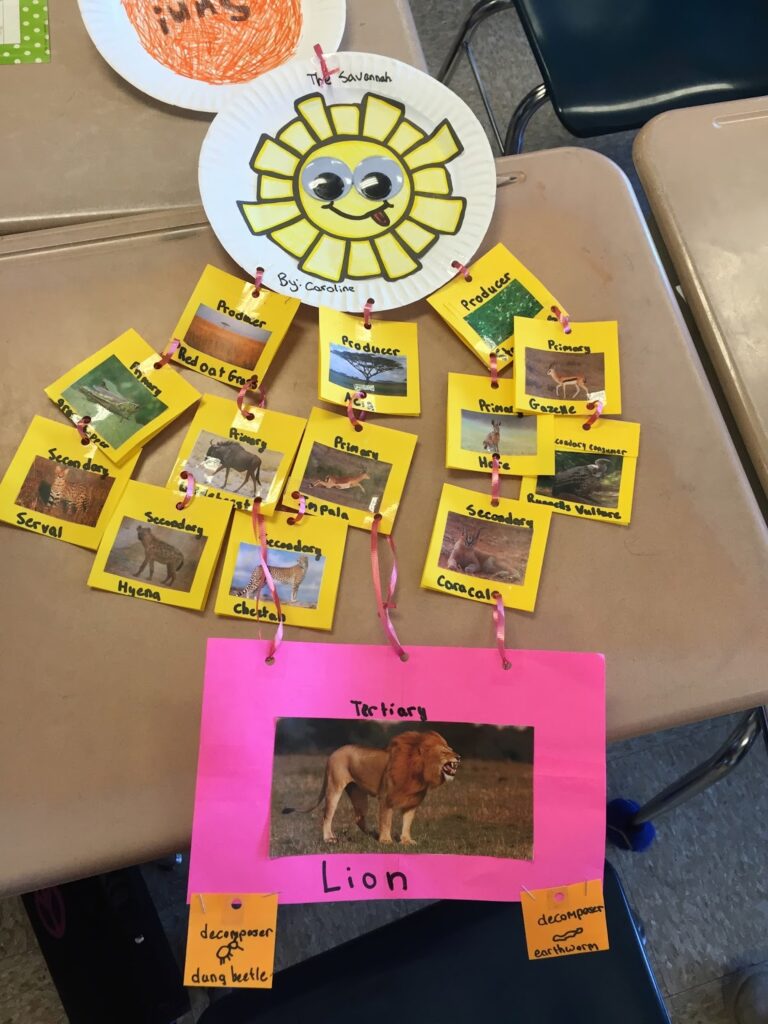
(345, 479)
(117, 403)
(64, 492)
(506, 434)
(364, 371)
(571, 375)
(494, 320)
(584, 478)
(222, 337)
(489, 551)
(297, 576)
(474, 785)
(155, 555)
(233, 467)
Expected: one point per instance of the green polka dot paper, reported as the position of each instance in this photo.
(24, 37)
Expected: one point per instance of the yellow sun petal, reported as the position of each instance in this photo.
(438, 148)
(263, 217)
(415, 236)
(326, 258)
(297, 136)
(274, 188)
(315, 113)
(363, 261)
(439, 214)
(346, 118)
(296, 238)
(270, 156)
(433, 181)
(394, 258)
(380, 117)
(405, 136)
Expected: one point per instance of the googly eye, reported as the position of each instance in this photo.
(326, 179)
(378, 177)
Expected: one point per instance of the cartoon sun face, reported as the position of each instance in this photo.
(355, 190)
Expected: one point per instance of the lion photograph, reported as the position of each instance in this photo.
(372, 786)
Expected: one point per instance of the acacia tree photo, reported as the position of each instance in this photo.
(369, 366)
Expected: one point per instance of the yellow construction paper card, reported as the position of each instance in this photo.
(561, 373)
(594, 474)
(238, 459)
(482, 308)
(228, 333)
(482, 420)
(305, 562)
(382, 361)
(151, 549)
(231, 940)
(477, 550)
(127, 398)
(565, 919)
(59, 487)
(349, 474)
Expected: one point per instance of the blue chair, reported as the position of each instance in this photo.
(609, 65)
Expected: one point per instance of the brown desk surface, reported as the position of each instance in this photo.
(80, 143)
(102, 694)
(705, 171)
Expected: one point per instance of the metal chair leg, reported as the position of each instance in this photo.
(526, 108)
(723, 761)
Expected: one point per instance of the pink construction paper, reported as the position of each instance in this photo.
(561, 695)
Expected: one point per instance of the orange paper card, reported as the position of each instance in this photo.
(565, 919)
(231, 940)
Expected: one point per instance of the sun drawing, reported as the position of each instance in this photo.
(355, 190)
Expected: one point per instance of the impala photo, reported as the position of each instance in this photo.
(344, 478)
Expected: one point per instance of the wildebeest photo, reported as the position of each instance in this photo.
(344, 785)
(64, 492)
(365, 371)
(564, 375)
(493, 321)
(297, 576)
(118, 404)
(345, 479)
(505, 434)
(232, 466)
(155, 555)
(491, 551)
(222, 337)
(589, 479)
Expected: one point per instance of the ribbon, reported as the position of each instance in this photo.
(295, 520)
(190, 490)
(165, 357)
(258, 277)
(493, 359)
(499, 623)
(495, 479)
(598, 407)
(252, 382)
(261, 536)
(355, 417)
(367, 314)
(565, 320)
(80, 426)
(325, 71)
(384, 605)
(462, 270)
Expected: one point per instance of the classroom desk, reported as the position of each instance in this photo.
(79, 143)
(705, 170)
(102, 693)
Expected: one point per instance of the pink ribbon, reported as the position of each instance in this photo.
(355, 417)
(80, 426)
(495, 480)
(384, 605)
(325, 71)
(190, 490)
(493, 359)
(258, 277)
(295, 520)
(462, 270)
(252, 382)
(500, 623)
(565, 320)
(367, 314)
(598, 407)
(165, 357)
(261, 536)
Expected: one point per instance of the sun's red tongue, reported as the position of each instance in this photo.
(381, 218)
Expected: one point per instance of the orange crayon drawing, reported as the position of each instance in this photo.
(217, 41)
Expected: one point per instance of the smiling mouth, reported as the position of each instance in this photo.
(378, 215)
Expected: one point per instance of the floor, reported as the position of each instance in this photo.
(702, 889)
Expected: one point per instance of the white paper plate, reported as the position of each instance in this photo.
(115, 37)
(326, 248)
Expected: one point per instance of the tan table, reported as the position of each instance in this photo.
(101, 705)
(79, 143)
(705, 171)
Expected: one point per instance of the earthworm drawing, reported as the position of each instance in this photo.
(217, 41)
(567, 935)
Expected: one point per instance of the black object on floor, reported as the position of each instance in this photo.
(461, 961)
(107, 951)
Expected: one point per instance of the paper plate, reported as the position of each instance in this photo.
(199, 53)
(366, 187)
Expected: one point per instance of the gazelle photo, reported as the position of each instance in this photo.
(571, 376)
(490, 551)
(345, 479)
(584, 478)
(502, 433)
